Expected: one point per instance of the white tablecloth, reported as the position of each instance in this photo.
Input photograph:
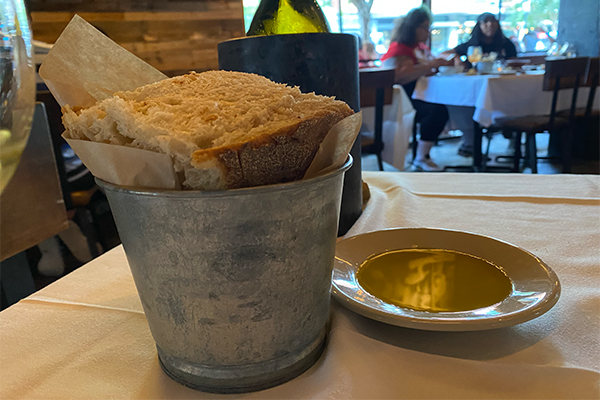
(86, 337)
(495, 96)
(398, 119)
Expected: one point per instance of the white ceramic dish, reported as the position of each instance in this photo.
(536, 287)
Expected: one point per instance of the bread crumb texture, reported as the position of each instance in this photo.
(222, 129)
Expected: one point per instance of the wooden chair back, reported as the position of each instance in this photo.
(593, 70)
(376, 89)
(567, 73)
(591, 81)
(372, 79)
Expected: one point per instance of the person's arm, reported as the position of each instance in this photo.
(407, 72)
(460, 50)
(447, 54)
(452, 58)
(458, 63)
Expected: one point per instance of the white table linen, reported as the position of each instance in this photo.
(495, 96)
(86, 337)
(398, 120)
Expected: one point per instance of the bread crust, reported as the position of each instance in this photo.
(277, 157)
(222, 129)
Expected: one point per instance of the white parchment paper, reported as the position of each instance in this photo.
(85, 66)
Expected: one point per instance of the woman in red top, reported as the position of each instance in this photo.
(412, 59)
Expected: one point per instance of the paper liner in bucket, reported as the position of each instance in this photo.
(85, 66)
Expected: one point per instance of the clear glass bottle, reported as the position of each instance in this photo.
(276, 17)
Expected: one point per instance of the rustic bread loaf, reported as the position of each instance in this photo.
(222, 129)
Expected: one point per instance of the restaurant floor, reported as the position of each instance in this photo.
(444, 153)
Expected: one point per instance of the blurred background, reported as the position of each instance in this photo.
(177, 36)
(531, 24)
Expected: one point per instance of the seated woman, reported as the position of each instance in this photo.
(412, 59)
(487, 35)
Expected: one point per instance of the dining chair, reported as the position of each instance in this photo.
(586, 121)
(560, 74)
(376, 90)
(591, 81)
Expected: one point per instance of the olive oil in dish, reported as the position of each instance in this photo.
(434, 280)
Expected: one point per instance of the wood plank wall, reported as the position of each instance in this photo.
(175, 36)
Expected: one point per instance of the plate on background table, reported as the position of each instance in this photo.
(534, 287)
(504, 72)
(534, 72)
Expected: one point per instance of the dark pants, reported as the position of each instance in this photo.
(432, 117)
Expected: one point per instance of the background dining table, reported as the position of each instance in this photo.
(484, 98)
(495, 96)
(86, 336)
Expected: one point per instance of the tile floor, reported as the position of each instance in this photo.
(445, 154)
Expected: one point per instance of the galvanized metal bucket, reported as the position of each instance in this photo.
(235, 284)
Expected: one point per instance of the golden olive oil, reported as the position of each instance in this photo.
(434, 280)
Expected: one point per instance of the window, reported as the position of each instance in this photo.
(454, 20)
(250, 7)
(532, 25)
(384, 14)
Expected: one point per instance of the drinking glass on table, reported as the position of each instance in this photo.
(499, 66)
(17, 94)
(474, 54)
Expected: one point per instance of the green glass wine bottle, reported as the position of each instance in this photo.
(277, 17)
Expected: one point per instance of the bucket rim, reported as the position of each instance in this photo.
(225, 192)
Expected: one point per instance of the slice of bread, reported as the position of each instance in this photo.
(222, 129)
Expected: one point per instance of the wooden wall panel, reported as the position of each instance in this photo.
(122, 5)
(173, 36)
